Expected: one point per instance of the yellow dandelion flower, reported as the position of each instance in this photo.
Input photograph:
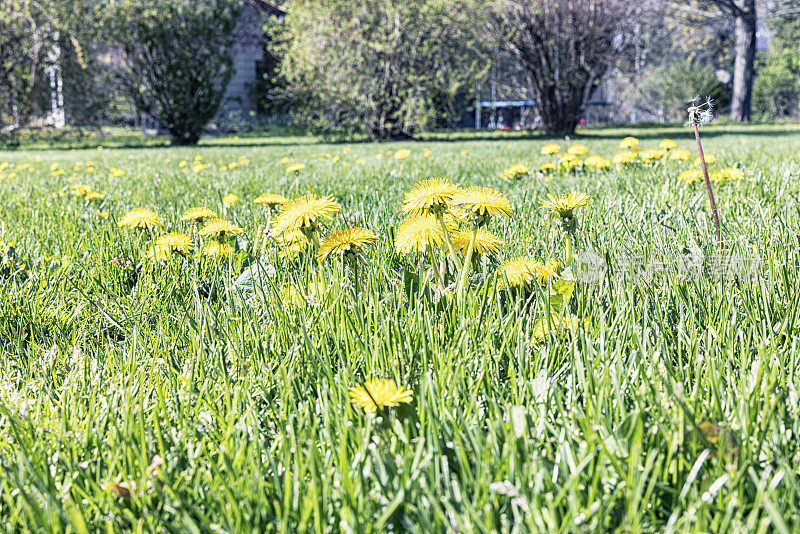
(94, 195)
(623, 157)
(710, 158)
(418, 232)
(597, 162)
(547, 272)
(551, 148)
(651, 154)
(378, 394)
(141, 218)
(220, 229)
(427, 153)
(295, 167)
(284, 160)
(515, 171)
(547, 167)
(80, 190)
(667, 144)
(198, 214)
(485, 241)
(271, 200)
(403, 153)
(629, 142)
(681, 154)
(691, 176)
(345, 241)
(176, 242)
(729, 173)
(169, 244)
(482, 201)
(429, 196)
(229, 200)
(578, 150)
(517, 272)
(565, 204)
(217, 249)
(291, 243)
(305, 213)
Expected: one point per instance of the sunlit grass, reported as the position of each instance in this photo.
(675, 408)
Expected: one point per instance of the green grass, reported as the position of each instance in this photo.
(108, 360)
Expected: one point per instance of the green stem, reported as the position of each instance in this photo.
(449, 242)
(569, 250)
(435, 265)
(462, 279)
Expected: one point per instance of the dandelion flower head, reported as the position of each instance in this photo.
(220, 228)
(305, 213)
(198, 214)
(550, 148)
(345, 241)
(378, 394)
(141, 218)
(565, 204)
(431, 195)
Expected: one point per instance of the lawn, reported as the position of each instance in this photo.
(652, 390)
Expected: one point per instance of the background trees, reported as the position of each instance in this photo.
(567, 48)
(386, 67)
(176, 59)
(389, 68)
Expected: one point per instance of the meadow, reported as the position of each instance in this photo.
(223, 384)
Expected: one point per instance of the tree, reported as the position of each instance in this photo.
(567, 46)
(385, 67)
(743, 13)
(177, 59)
(30, 32)
(776, 92)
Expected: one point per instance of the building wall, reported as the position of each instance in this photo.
(248, 50)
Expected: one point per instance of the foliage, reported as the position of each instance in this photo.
(777, 87)
(177, 59)
(566, 46)
(383, 67)
(664, 91)
(140, 396)
(23, 47)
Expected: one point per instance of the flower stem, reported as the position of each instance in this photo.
(435, 265)
(449, 242)
(708, 186)
(462, 279)
(568, 243)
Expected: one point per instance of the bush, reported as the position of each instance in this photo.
(777, 89)
(663, 92)
(387, 70)
(178, 59)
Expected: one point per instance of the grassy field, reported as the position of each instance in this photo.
(146, 395)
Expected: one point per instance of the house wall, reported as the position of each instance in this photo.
(248, 50)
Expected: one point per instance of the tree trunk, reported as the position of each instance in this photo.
(743, 70)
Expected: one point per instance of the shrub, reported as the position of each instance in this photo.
(663, 92)
(387, 69)
(177, 59)
(777, 87)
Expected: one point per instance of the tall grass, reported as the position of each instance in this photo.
(675, 410)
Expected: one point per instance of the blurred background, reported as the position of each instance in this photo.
(387, 69)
